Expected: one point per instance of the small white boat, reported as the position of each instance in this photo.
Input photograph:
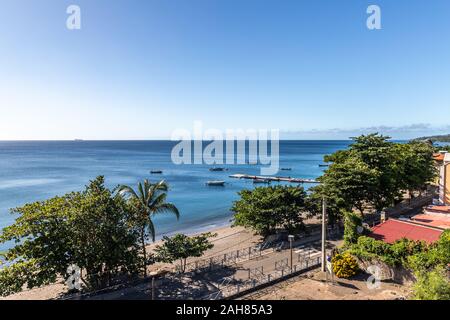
(215, 183)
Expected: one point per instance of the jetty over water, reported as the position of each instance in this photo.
(272, 178)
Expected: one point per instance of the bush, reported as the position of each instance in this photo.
(396, 254)
(432, 285)
(352, 222)
(432, 256)
(344, 265)
(367, 248)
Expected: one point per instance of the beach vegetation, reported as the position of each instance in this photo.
(181, 247)
(148, 200)
(374, 172)
(433, 285)
(91, 229)
(266, 209)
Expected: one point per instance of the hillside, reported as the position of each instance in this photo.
(440, 138)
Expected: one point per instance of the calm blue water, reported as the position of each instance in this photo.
(31, 171)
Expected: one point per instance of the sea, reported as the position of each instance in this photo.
(37, 170)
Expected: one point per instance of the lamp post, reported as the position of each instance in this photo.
(324, 231)
(291, 239)
(153, 274)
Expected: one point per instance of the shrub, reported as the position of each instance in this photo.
(396, 254)
(432, 285)
(344, 265)
(352, 222)
(434, 255)
(367, 248)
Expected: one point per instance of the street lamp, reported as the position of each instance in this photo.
(291, 239)
(153, 274)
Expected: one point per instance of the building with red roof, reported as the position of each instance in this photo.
(437, 220)
(393, 230)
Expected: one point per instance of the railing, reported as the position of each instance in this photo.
(282, 270)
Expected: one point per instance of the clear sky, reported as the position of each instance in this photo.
(141, 69)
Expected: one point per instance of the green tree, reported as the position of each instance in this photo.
(353, 228)
(265, 208)
(181, 247)
(335, 204)
(351, 181)
(374, 171)
(415, 165)
(149, 199)
(91, 229)
(433, 285)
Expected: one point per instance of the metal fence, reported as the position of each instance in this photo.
(230, 258)
(257, 278)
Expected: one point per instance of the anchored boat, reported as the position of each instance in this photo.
(217, 169)
(215, 183)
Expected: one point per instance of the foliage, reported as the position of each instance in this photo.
(439, 148)
(353, 228)
(13, 278)
(414, 165)
(334, 204)
(91, 229)
(266, 208)
(438, 138)
(395, 254)
(374, 171)
(344, 265)
(435, 255)
(180, 247)
(433, 285)
(148, 201)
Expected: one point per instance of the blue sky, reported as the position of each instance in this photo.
(141, 69)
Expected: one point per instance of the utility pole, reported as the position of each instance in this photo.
(324, 234)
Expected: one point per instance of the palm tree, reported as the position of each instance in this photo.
(149, 199)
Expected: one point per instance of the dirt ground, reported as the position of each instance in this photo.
(314, 286)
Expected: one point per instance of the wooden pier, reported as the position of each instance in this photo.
(270, 178)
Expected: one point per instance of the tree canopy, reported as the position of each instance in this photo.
(375, 172)
(181, 247)
(266, 208)
(91, 229)
(148, 200)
